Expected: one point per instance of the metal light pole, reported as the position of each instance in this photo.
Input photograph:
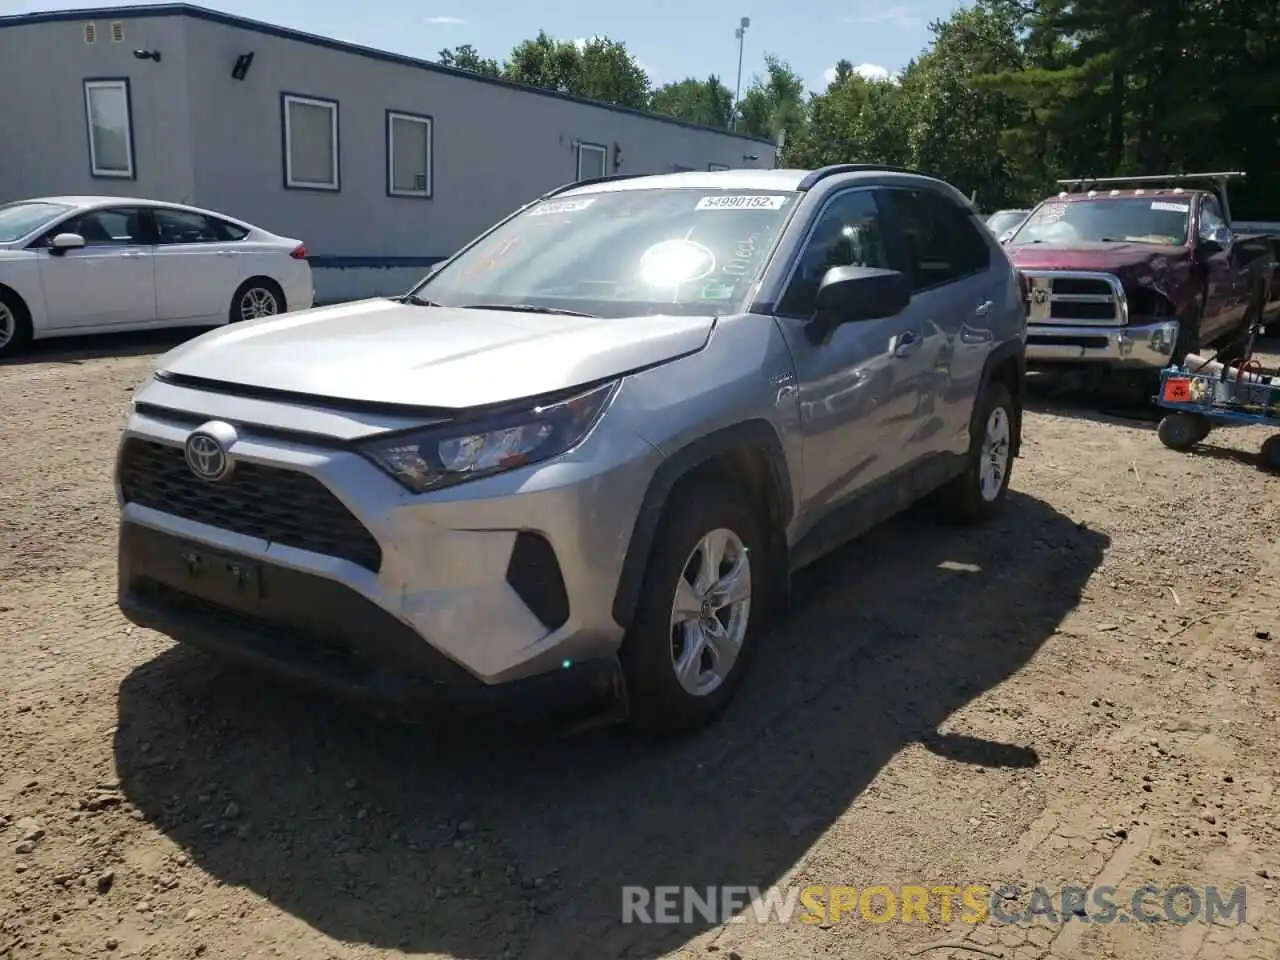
(741, 34)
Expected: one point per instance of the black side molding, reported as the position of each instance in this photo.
(749, 433)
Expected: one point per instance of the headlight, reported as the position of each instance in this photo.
(452, 453)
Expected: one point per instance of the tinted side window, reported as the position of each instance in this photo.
(849, 232)
(230, 230)
(181, 226)
(119, 226)
(942, 242)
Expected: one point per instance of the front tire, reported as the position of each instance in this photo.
(15, 325)
(695, 628)
(979, 493)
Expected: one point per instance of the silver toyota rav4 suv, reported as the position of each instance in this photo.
(583, 457)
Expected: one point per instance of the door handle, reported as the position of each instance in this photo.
(904, 344)
(228, 253)
(134, 255)
(983, 309)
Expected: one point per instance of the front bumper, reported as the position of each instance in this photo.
(1144, 346)
(323, 634)
(502, 580)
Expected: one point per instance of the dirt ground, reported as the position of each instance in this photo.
(1083, 693)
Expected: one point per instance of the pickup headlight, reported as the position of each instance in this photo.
(447, 454)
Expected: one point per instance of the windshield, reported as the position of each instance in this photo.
(998, 223)
(19, 219)
(1112, 220)
(620, 253)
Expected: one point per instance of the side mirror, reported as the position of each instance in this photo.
(1217, 240)
(64, 242)
(849, 294)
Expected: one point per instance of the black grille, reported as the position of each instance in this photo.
(1082, 285)
(282, 506)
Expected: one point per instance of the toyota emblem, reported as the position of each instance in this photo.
(206, 452)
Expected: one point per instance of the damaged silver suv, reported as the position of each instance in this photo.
(579, 462)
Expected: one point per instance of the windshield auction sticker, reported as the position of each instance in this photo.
(562, 206)
(1170, 207)
(754, 202)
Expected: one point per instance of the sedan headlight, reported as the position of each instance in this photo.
(444, 455)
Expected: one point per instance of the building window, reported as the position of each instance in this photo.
(592, 160)
(310, 143)
(408, 155)
(714, 167)
(109, 116)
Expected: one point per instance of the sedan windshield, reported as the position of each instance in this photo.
(19, 219)
(1160, 220)
(620, 253)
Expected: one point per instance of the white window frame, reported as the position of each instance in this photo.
(583, 146)
(717, 167)
(332, 106)
(429, 123)
(121, 83)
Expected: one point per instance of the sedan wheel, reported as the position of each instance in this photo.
(8, 325)
(258, 302)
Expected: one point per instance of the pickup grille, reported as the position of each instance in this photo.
(1075, 299)
(281, 506)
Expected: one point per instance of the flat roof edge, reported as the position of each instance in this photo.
(341, 46)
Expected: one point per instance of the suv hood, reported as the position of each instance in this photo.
(381, 351)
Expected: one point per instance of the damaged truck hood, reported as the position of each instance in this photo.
(386, 352)
(1140, 264)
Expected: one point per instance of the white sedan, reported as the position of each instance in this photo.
(79, 265)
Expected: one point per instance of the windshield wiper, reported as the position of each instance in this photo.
(416, 301)
(527, 308)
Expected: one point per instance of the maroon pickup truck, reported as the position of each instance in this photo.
(1132, 278)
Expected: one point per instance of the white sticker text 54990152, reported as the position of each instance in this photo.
(740, 202)
(1170, 207)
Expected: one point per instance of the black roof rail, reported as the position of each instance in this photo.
(1219, 178)
(584, 183)
(812, 178)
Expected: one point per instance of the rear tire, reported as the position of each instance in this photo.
(1182, 431)
(978, 494)
(256, 298)
(681, 669)
(15, 325)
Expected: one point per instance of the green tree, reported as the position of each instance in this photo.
(775, 102)
(466, 58)
(601, 69)
(708, 102)
(854, 121)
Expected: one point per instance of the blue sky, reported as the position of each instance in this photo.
(671, 38)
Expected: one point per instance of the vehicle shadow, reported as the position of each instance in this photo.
(1065, 396)
(102, 346)
(475, 846)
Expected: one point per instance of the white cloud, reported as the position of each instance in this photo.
(868, 71)
(902, 17)
(445, 21)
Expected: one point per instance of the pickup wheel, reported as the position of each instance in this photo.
(1188, 332)
(15, 324)
(700, 608)
(979, 493)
